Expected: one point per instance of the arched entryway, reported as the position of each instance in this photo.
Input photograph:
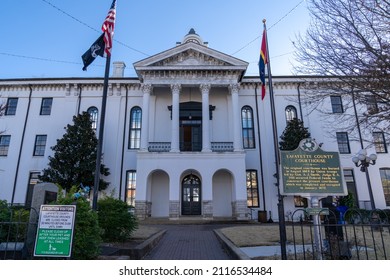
(222, 194)
(159, 193)
(191, 201)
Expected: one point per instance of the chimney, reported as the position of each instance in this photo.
(119, 69)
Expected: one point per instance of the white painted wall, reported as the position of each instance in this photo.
(65, 94)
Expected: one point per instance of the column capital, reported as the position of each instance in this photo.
(175, 88)
(234, 88)
(205, 88)
(146, 88)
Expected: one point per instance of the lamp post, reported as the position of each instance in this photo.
(363, 161)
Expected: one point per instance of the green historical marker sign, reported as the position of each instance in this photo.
(55, 231)
(310, 171)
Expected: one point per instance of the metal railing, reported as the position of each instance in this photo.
(164, 147)
(222, 147)
(161, 147)
(17, 232)
(356, 234)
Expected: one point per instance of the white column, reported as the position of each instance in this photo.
(146, 89)
(175, 147)
(236, 117)
(206, 145)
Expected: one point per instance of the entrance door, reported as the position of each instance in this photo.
(191, 196)
(191, 135)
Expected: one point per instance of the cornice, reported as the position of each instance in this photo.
(191, 76)
(68, 85)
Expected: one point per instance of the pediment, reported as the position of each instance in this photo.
(190, 55)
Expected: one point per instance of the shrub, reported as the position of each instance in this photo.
(115, 219)
(86, 240)
(5, 214)
(14, 223)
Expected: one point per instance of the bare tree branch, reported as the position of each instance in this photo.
(348, 43)
(2, 112)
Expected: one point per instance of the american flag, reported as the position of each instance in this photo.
(108, 28)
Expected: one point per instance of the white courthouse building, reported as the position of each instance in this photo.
(187, 137)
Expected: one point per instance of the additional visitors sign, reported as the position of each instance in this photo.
(317, 211)
(55, 231)
(310, 171)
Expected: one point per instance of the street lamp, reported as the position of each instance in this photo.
(363, 161)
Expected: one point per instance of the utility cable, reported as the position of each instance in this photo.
(90, 27)
(283, 17)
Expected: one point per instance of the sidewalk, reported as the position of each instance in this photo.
(189, 242)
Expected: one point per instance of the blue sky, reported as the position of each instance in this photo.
(46, 38)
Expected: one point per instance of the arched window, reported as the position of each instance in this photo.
(135, 128)
(248, 133)
(291, 113)
(93, 112)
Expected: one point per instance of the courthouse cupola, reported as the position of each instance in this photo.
(193, 38)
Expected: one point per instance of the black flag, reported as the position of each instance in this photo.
(96, 49)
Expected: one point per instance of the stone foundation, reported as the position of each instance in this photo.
(174, 209)
(143, 209)
(240, 210)
(207, 209)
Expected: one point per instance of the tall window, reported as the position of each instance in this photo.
(343, 142)
(337, 104)
(131, 178)
(40, 145)
(349, 179)
(248, 134)
(46, 106)
(372, 104)
(385, 177)
(379, 142)
(291, 113)
(32, 181)
(252, 188)
(93, 113)
(135, 128)
(4, 144)
(10, 108)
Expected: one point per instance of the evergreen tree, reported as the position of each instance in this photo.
(292, 135)
(74, 159)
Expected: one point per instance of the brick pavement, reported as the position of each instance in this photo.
(188, 242)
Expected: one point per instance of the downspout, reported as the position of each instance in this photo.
(357, 120)
(260, 153)
(79, 100)
(299, 101)
(21, 146)
(123, 142)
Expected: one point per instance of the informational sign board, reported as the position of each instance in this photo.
(309, 171)
(55, 231)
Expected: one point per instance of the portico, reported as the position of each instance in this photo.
(190, 95)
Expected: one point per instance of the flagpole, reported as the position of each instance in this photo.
(260, 149)
(101, 133)
(101, 46)
(282, 222)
